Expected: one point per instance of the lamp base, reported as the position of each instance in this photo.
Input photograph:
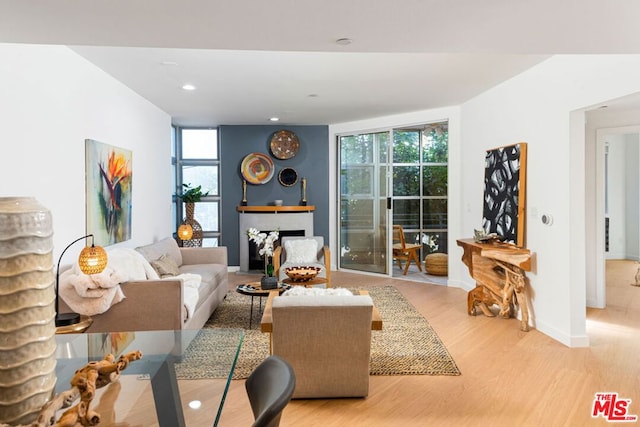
(66, 319)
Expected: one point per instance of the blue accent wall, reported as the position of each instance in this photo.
(311, 162)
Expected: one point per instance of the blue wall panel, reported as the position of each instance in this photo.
(311, 162)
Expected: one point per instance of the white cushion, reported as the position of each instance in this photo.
(322, 301)
(301, 251)
(301, 290)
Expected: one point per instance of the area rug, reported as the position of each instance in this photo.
(407, 345)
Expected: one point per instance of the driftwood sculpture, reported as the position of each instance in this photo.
(484, 296)
(85, 382)
(499, 270)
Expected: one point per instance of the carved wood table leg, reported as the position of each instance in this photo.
(523, 302)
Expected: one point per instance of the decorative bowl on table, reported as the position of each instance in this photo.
(302, 274)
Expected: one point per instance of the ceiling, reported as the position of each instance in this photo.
(254, 59)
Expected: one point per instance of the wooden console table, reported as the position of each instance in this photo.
(499, 271)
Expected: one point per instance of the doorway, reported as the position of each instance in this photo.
(618, 202)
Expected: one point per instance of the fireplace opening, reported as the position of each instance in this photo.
(256, 262)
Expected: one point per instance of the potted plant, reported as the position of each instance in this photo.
(191, 195)
(266, 245)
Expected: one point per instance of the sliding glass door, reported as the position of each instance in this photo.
(363, 201)
(398, 176)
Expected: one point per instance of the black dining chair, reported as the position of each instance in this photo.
(270, 387)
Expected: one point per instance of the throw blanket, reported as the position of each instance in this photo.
(190, 285)
(95, 293)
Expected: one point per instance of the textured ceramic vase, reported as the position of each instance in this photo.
(27, 310)
(196, 239)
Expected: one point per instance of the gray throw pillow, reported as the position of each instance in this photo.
(165, 266)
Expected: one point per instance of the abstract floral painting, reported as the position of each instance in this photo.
(504, 192)
(108, 188)
(99, 345)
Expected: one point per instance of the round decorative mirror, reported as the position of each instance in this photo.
(288, 177)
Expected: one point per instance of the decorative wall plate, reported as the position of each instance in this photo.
(284, 144)
(257, 168)
(288, 177)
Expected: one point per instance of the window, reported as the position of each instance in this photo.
(197, 162)
(420, 185)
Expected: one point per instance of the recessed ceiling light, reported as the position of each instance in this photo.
(274, 119)
(169, 63)
(188, 87)
(344, 41)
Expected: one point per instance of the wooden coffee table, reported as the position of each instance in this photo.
(253, 289)
(306, 283)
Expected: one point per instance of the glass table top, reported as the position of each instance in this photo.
(181, 380)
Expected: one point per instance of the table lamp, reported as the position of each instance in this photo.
(185, 231)
(92, 260)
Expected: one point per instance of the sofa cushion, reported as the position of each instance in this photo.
(322, 301)
(301, 251)
(165, 266)
(212, 276)
(167, 246)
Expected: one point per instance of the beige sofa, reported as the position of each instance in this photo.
(160, 304)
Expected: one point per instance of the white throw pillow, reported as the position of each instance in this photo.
(301, 251)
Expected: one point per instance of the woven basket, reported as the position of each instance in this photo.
(437, 264)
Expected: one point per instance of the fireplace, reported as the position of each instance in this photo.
(256, 262)
(288, 223)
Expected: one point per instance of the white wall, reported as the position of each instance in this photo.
(51, 100)
(544, 107)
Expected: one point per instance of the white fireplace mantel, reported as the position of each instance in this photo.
(267, 218)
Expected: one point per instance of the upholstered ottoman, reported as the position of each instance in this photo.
(437, 264)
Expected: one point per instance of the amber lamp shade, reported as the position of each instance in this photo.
(185, 232)
(92, 260)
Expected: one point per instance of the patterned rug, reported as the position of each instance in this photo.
(407, 345)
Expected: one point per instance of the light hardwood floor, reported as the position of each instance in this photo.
(509, 377)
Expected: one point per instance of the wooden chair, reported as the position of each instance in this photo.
(403, 251)
(322, 260)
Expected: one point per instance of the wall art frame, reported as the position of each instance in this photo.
(108, 183)
(505, 184)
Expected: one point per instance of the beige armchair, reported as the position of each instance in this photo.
(293, 252)
(326, 339)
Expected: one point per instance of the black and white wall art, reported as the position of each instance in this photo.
(503, 210)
